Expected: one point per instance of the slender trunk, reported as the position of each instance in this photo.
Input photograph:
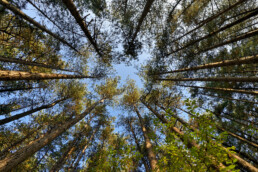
(18, 89)
(24, 62)
(18, 12)
(138, 147)
(146, 10)
(172, 11)
(66, 155)
(148, 144)
(21, 155)
(210, 19)
(219, 79)
(191, 144)
(223, 89)
(243, 60)
(20, 115)
(228, 98)
(20, 75)
(238, 38)
(217, 31)
(75, 13)
(240, 121)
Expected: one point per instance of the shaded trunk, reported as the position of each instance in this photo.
(20, 75)
(148, 144)
(75, 13)
(210, 19)
(243, 60)
(223, 89)
(18, 12)
(146, 10)
(20, 115)
(18, 89)
(219, 79)
(21, 155)
(24, 62)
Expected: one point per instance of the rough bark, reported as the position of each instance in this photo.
(243, 60)
(21, 75)
(24, 62)
(223, 89)
(220, 79)
(148, 144)
(21, 155)
(18, 12)
(20, 115)
(75, 13)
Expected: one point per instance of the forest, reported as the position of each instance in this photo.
(65, 104)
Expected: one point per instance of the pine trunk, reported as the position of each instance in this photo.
(219, 79)
(20, 75)
(18, 89)
(21, 155)
(21, 115)
(148, 144)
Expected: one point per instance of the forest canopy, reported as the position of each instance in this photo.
(64, 106)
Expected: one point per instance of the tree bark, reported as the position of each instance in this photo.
(20, 115)
(73, 10)
(243, 60)
(18, 89)
(148, 144)
(18, 12)
(219, 79)
(24, 62)
(21, 155)
(223, 89)
(20, 75)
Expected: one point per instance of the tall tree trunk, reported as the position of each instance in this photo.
(66, 155)
(18, 89)
(22, 154)
(146, 10)
(75, 13)
(254, 13)
(220, 79)
(223, 89)
(20, 75)
(243, 60)
(210, 19)
(24, 62)
(20, 115)
(148, 144)
(18, 12)
(138, 146)
(191, 144)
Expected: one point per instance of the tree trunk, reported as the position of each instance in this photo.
(210, 19)
(223, 89)
(217, 31)
(22, 154)
(75, 13)
(20, 115)
(243, 60)
(148, 144)
(66, 155)
(191, 144)
(24, 62)
(18, 89)
(219, 79)
(138, 147)
(146, 10)
(20, 75)
(18, 12)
